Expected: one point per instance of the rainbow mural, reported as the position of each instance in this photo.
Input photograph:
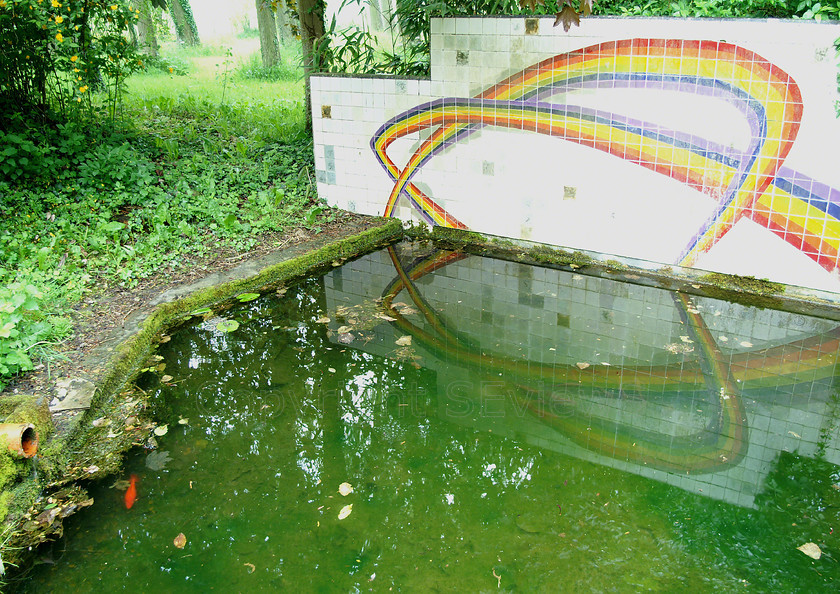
(752, 183)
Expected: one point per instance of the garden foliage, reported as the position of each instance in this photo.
(54, 54)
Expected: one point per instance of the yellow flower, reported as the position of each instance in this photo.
(113, 7)
(74, 58)
(55, 4)
(171, 70)
(59, 37)
(2, 3)
(59, 19)
(83, 89)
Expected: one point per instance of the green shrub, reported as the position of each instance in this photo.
(23, 329)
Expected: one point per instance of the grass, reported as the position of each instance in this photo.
(215, 157)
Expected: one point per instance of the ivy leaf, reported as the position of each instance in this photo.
(246, 297)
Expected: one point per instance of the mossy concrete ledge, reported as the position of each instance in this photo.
(88, 442)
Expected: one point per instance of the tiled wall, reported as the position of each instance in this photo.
(695, 142)
(603, 370)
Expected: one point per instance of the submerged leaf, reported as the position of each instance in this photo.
(161, 430)
(404, 340)
(346, 338)
(246, 297)
(345, 511)
(582, 365)
(345, 489)
(322, 320)
(180, 540)
(157, 460)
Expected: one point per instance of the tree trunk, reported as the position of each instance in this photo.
(184, 22)
(311, 15)
(147, 42)
(375, 15)
(269, 46)
(284, 24)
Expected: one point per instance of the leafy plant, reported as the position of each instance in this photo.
(23, 329)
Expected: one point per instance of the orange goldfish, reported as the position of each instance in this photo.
(131, 492)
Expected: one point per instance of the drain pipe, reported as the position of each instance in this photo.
(21, 438)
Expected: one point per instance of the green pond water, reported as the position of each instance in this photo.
(503, 427)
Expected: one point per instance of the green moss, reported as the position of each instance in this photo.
(459, 237)
(747, 284)
(28, 409)
(546, 255)
(417, 231)
(614, 265)
(745, 290)
(10, 470)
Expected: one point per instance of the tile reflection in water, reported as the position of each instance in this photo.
(695, 392)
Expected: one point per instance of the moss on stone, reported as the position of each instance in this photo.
(28, 409)
(747, 284)
(614, 265)
(457, 237)
(746, 290)
(546, 255)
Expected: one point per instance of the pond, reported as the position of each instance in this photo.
(423, 419)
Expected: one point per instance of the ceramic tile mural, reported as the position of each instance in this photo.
(691, 142)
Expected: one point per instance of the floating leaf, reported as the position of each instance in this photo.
(746, 344)
(346, 338)
(164, 339)
(251, 567)
(345, 489)
(246, 297)
(166, 379)
(386, 317)
(344, 329)
(161, 430)
(183, 421)
(810, 549)
(227, 325)
(180, 540)
(582, 365)
(322, 320)
(404, 340)
(345, 511)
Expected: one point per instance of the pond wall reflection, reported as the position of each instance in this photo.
(691, 391)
